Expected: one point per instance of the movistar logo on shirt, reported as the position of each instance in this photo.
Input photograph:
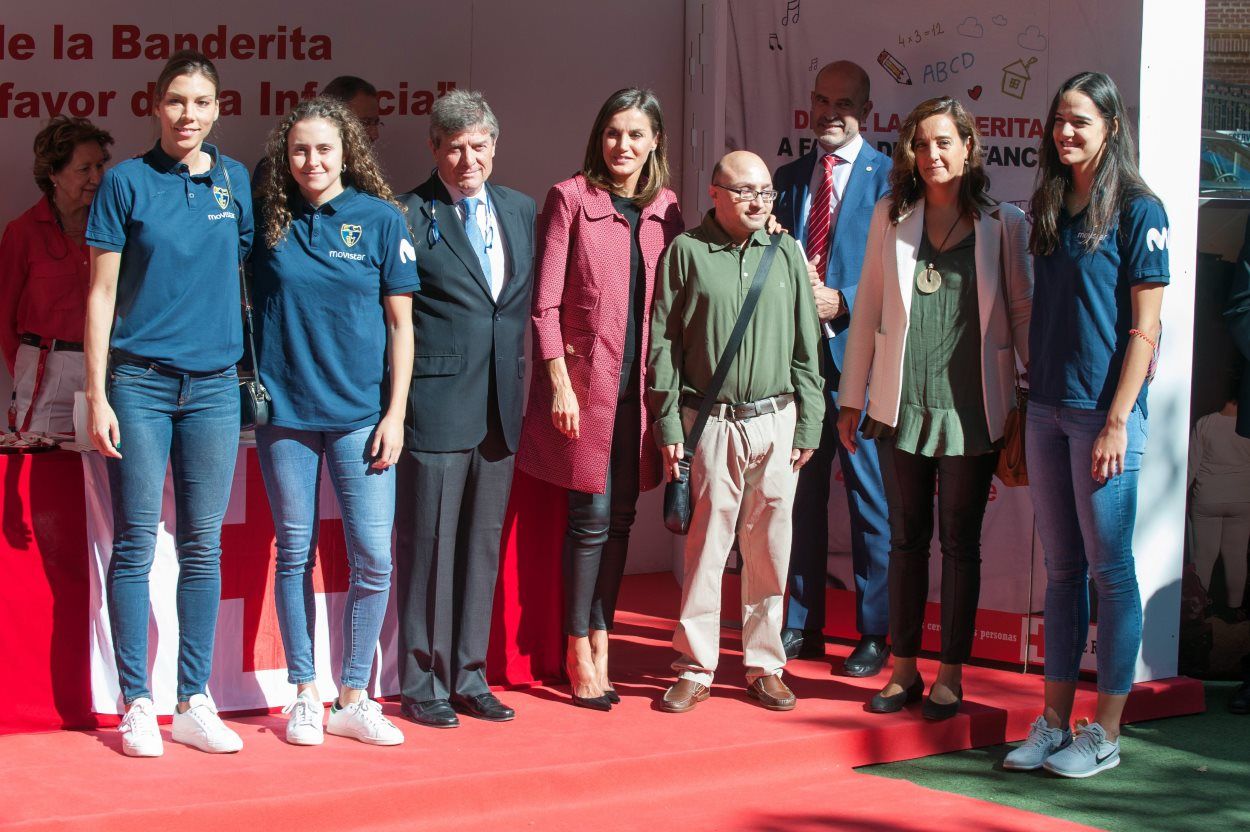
(351, 233)
(222, 195)
(1156, 238)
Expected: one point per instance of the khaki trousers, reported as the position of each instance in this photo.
(741, 482)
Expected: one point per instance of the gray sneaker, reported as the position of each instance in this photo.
(1089, 753)
(1040, 744)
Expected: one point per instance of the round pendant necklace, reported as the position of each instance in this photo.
(930, 280)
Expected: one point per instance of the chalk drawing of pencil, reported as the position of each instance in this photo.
(893, 66)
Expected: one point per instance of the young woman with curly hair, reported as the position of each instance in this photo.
(334, 276)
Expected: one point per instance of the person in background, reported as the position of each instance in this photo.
(600, 239)
(826, 198)
(44, 274)
(361, 98)
(168, 231)
(1100, 254)
(762, 429)
(932, 357)
(333, 279)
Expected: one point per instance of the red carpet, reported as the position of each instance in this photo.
(727, 765)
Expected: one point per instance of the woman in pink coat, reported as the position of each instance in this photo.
(601, 234)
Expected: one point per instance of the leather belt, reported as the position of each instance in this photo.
(746, 410)
(49, 344)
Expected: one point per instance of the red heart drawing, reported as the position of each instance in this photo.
(975, 93)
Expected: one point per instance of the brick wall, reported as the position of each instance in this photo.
(1227, 43)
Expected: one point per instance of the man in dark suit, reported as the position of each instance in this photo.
(1237, 317)
(826, 199)
(474, 251)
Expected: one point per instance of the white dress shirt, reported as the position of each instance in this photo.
(492, 233)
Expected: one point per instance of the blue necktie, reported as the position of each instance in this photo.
(474, 233)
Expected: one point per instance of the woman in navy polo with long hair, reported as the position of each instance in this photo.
(334, 274)
(167, 232)
(1100, 247)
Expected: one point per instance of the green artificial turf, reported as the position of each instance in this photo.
(1179, 774)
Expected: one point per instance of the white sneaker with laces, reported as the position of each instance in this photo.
(304, 726)
(364, 721)
(140, 735)
(1089, 753)
(200, 727)
(1040, 744)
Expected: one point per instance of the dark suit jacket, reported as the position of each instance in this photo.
(465, 338)
(869, 181)
(1237, 317)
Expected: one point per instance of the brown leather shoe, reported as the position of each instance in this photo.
(772, 693)
(683, 696)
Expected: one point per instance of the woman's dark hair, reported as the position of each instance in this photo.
(906, 186)
(1115, 183)
(56, 142)
(654, 176)
(277, 189)
(186, 62)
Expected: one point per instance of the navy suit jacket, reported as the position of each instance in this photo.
(467, 342)
(869, 181)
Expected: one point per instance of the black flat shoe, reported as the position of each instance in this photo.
(890, 704)
(434, 713)
(483, 706)
(594, 703)
(803, 644)
(935, 712)
(867, 658)
(612, 696)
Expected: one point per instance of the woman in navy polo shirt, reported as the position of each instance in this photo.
(167, 231)
(1100, 246)
(334, 277)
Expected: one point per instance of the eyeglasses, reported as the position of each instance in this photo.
(745, 194)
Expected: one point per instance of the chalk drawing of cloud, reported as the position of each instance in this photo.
(1032, 38)
(999, 20)
(971, 28)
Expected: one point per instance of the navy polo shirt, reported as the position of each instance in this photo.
(1082, 312)
(322, 329)
(181, 237)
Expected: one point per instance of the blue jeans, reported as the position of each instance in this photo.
(290, 461)
(192, 423)
(1086, 528)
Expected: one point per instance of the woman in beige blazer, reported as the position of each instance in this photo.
(941, 316)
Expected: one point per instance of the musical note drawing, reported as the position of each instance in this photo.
(791, 14)
(774, 43)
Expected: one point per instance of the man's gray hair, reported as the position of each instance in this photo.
(461, 110)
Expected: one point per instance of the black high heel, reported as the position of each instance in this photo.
(936, 711)
(612, 695)
(880, 704)
(594, 703)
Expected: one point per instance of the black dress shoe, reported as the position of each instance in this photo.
(803, 644)
(935, 712)
(1240, 703)
(436, 713)
(483, 706)
(867, 658)
(880, 704)
(594, 703)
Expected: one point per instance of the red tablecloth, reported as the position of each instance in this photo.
(44, 596)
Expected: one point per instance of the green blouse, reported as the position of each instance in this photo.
(941, 407)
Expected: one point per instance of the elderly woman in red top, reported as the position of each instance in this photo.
(44, 272)
(601, 234)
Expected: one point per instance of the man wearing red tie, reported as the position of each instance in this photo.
(826, 198)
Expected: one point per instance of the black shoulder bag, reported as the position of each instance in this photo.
(254, 400)
(677, 505)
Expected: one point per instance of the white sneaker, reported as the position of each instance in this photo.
(364, 721)
(140, 736)
(1041, 743)
(201, 728)
(1089, 753)
(304, 726)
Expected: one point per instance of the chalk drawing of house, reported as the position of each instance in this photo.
(1016, 77)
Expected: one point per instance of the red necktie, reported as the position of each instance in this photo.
(818, 217)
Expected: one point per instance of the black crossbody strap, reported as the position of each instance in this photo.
(247, 299)
(731, 348)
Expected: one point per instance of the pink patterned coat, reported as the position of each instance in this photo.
(581, 304)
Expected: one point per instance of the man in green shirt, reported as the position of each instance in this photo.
(743, 476)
